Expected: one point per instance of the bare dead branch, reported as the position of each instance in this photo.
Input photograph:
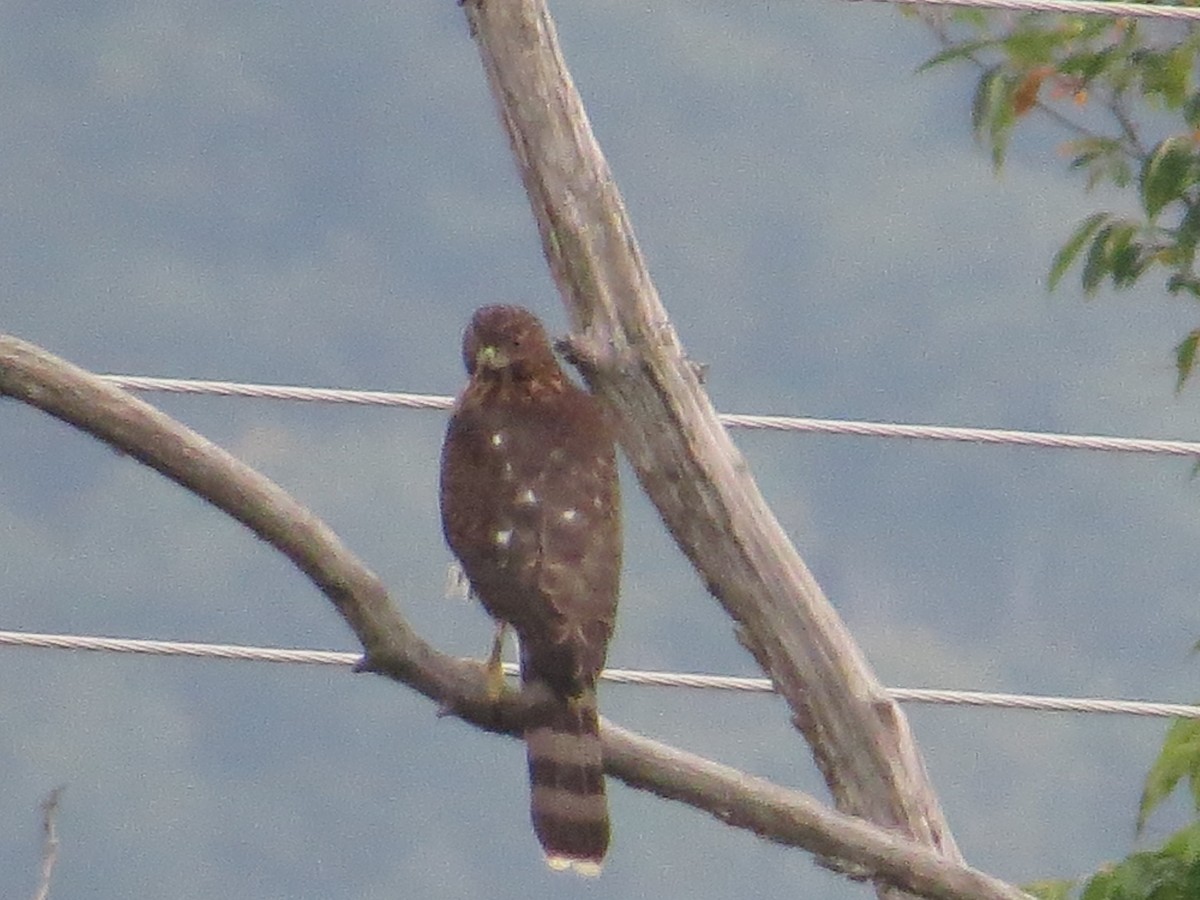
(877, 854)
(49, 842)
(131, 426)
(702, 487)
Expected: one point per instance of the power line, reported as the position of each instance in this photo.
(278, 392)
(618, 676)
(730, 420)
(1072, 7)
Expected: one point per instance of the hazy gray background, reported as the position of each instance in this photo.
(319, 194)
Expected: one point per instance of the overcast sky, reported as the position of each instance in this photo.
(319, 194)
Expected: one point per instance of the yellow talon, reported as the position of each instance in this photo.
(495, 668)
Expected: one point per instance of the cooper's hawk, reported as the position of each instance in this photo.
(531, 508)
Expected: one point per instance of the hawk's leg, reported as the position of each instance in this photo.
(495, 668)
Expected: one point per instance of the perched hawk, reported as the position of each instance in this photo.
(531, 508)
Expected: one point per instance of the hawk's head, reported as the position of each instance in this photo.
(508, 343)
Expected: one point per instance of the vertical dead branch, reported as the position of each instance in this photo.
(702, 487)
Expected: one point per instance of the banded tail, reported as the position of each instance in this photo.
(566, 781)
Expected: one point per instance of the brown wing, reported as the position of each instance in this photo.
(530, 505)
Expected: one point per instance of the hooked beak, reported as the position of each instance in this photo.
(490, 357)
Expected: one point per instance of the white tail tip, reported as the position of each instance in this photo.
(588, 868)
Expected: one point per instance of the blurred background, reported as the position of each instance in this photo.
(319, 194)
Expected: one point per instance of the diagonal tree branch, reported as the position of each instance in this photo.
(631, 356)
(131, 426)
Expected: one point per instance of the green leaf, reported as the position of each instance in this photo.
(1154, 875)
(1167, 173)
(1117, 255)
(1088, 64)
(1180, 754)
(1191, 110)
(1096, 265)
(1000, 137)
(1070, 250)
(1182, 282)
(1032, 44)
(1185, 843)
(988, 92)
(1167, 75)
(992, 111)
(1185, 362)
(1127, 259)
(1178, 76)
(1101, 886)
